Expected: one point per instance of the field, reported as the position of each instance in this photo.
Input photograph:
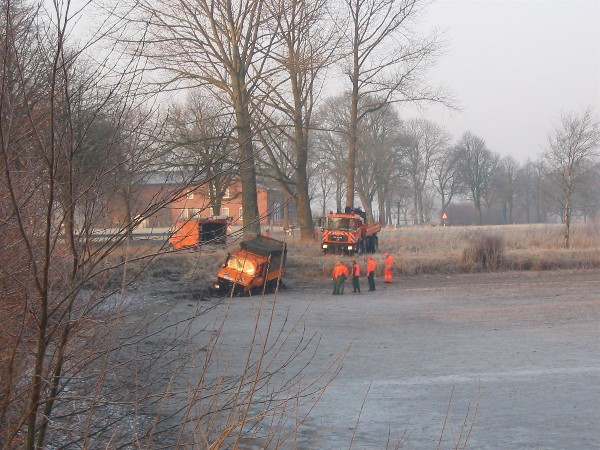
(418, 250)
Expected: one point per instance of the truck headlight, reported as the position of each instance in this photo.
(324, 245)
(349, 247)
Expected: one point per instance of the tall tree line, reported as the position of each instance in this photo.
(266, 61)
(425, 173)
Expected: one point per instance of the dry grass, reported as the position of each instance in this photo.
(416, 250)
(447, 250)
(484, 253)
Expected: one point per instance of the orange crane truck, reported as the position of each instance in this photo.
(258, 265)
(349, 233)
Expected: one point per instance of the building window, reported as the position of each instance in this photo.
(225, 211)
(241, 213)
(227, 194)
(190, 195)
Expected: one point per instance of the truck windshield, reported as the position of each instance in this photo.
(339, 223)
(241, 265)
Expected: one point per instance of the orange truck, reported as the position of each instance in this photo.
(194, 232)
(349, 233)
(258, 265)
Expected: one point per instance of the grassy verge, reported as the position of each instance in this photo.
(416, 250)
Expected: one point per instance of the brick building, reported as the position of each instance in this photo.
(181, 201)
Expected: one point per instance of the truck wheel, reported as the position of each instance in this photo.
(375, 243)
(273, 285)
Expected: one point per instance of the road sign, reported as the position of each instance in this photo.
(444, 216)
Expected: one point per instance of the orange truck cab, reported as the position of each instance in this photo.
(258, 265)
(194, 232)
(349, 233)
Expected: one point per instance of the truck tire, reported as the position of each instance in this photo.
(273, 285)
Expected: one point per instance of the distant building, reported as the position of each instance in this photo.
(165, 198)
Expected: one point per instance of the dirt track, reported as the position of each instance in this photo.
(516, 352)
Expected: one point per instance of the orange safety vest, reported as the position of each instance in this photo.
(343, 270)
(371, 266)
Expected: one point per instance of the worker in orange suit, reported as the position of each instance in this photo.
(387, 270)
(371, 266)
(339, 275)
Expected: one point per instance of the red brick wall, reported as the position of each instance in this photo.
(178, 204)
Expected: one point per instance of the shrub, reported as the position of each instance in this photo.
(484, 253)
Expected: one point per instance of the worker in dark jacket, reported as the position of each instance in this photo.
(371, 266)
(355, 275)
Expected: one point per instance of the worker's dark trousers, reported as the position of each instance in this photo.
(371, 279)
(338, 285)
(355, 284)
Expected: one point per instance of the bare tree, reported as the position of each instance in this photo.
(332, 123)
(524, 180)
(379, 156)
(74, 373)
(573, 148)
(506, 184)
(222, 45)
(306, 48)
(141, 153)
(386, 62)
(62, 137)
(426, 141)
(444, 176)
(476, 166)
(379, 148)
(201, 135)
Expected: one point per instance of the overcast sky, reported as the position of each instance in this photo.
(515, 66)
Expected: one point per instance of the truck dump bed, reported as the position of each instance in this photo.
(264, 246)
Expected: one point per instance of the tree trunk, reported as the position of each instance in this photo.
(286, 214)
(128, 214)
(338, 197)
(567, 220)
(251, 217)
(352, 145)
(421, 215)
(307, 231)
(303, 211)
(353, 129)
(381, 196)
(479, 214)
(415, 209)
(367, 204)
